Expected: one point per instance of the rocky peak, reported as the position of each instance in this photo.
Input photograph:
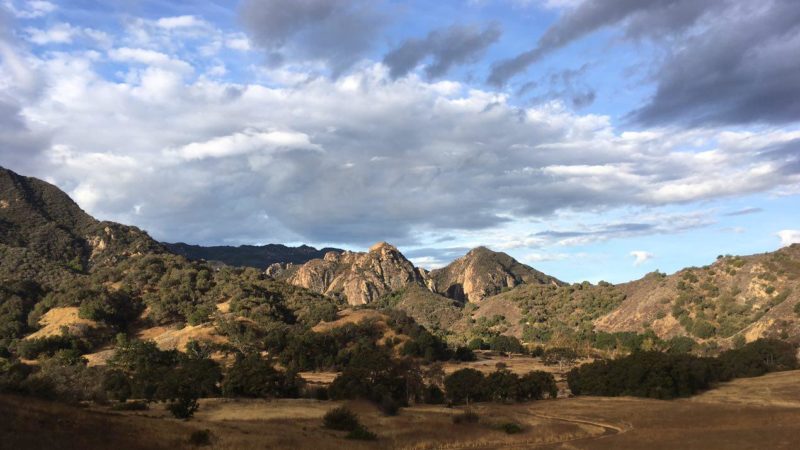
(482, 273)
(361, 277)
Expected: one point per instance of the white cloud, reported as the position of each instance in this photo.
(62, 33)
(180, 22)
(789, 237)
(362, 157)
(32, 9)
(640, 257)
(149, 57)
(248, 141)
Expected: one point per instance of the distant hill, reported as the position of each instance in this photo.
(258, 256)
(54, 255)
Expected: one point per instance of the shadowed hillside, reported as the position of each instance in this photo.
(257, 256)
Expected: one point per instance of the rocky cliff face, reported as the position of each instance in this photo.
(359, 277)
(482, 273)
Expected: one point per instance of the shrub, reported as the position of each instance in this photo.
(183, 407)
(389, 406)
(464, 354)
(467, 416)
(200, 438)
(341, 419)
(433, 395)
(478, 344)
(508, 344)
(511, 428)
(254, 376)
(361, 433)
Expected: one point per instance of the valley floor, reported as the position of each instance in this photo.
(757, 413)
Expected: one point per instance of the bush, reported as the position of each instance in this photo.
(362, 434)
(467, 416)
(511, 428)
(508, 344)
(433, 395)
(464, 354)
(200, 438)
(389, 406)
(183, 407)
(341, 419)
(254, 376)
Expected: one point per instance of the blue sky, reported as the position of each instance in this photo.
(592, 140)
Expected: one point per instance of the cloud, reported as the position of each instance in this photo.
(744, 212)
(33, 9)
(181, 22)
(244, 142)
(353, 159)
(640, 257)
(741, 69)
(789, 237)
(334, 32)
(645, 225)
(447, 47)
(642, 17)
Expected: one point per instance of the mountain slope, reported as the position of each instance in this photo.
(41, 226)
(482, 273)
(749, 296)
(257, 256)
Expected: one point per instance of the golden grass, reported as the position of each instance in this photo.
(756, 413)
(53, 320)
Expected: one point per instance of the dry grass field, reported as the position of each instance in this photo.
(756, 413)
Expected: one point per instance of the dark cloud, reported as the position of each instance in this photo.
(642, 17)
(447, 47)
(660, 224)
(337, 32)
(744, 212)
(745, 68)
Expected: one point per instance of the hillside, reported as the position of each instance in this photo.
(43, 233)
(256, 256)
(736, 297)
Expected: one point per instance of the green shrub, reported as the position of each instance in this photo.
(341, 419)
(511, 428)
(183, 407)
(361, 433)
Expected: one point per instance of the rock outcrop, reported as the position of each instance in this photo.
(482, 273)
(359, 277)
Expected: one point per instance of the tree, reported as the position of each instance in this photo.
(465, 385)
(533, 385)
(253, 376)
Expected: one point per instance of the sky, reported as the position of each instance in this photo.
(594, 140)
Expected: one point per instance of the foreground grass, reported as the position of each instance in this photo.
(758, 412)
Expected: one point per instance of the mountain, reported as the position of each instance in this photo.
(359, 277)
(258, 256)
(748, 296)
(482, 273)
(40, 226)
